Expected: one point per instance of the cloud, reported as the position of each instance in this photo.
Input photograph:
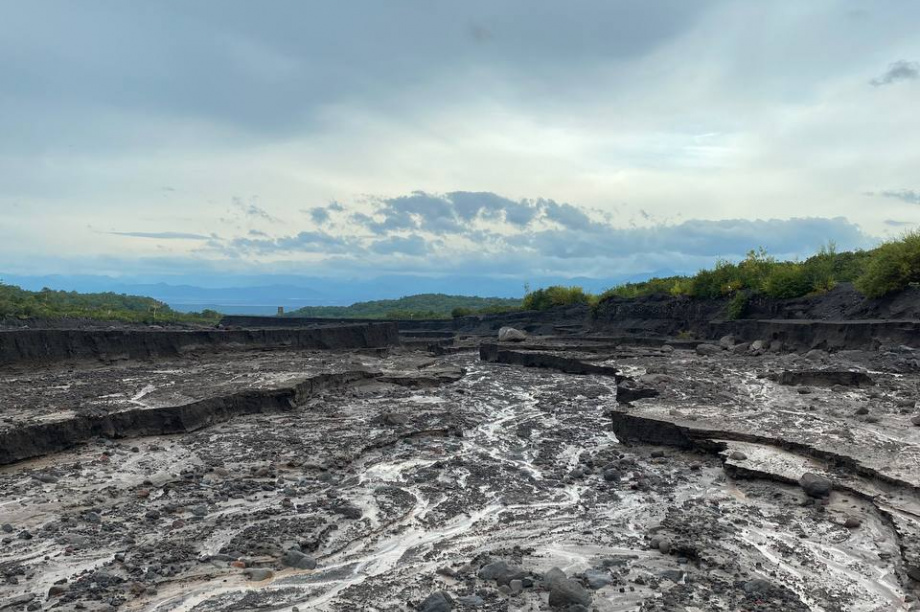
(567, 216)
(253, 210)
(319, 215)
(898, 71)
(163, 235)
(894, 223)
(729, 238)
(905, 195)
(303, 242)
(410, 245)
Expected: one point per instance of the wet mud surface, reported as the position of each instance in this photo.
(452, 483)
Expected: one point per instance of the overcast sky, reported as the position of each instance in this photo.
(519, 138)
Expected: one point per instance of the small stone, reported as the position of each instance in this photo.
(657, 454)
(516, 586)
(471, 601)
(915, 420)
(7, 528)
(852, 522)
(757, 586)
(258, 574)
(737, 456)
(664, 546)
(597, 579)
(862, 410)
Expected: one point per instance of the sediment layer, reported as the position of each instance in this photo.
(34, 440)
(39, 346)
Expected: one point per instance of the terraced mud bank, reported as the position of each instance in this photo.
(455, 483)
(30, 347)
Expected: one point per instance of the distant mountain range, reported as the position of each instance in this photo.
(240, 294)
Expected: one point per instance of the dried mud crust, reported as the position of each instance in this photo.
(401, 493)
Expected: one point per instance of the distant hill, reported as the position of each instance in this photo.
(17, 303)
(421, 306)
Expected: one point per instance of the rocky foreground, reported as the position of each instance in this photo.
(552, 474)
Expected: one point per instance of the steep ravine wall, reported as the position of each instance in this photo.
(40, 346)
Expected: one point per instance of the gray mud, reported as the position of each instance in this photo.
(429, 476)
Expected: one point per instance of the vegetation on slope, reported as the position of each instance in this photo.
(421, 306)
(889, 268)
(16, 303)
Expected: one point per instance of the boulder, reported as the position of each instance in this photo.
(708, 350)
(438, 601)
(815, 485)
(727, 342)
(565, 593)
(509, 334)
(296, 559)
(553, 576)
(740, 349)
(501, 572)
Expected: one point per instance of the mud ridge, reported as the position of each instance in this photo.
(632, 428)
(31, 441)
(42, 346)
(494, 353)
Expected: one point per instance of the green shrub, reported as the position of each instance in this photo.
(460, 311)
(788, 280)
(737, 306)
(544, 299)
(892, 267)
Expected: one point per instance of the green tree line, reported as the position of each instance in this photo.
(420, 306)
(17, 303)
(886, 269)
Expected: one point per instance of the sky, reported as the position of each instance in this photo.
(517, 139)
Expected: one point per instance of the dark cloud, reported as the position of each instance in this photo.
(899, 71)
(163, 235)
(567, 216)
(905, 195)
(453, 212)
(265, 73)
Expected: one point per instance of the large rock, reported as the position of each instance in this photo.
(815, 485)
(296, 559)
(708, 350)
(509, 334)
(553, 576)
(568, 592)
(438, 601)
(501, 572)
(727, 342)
